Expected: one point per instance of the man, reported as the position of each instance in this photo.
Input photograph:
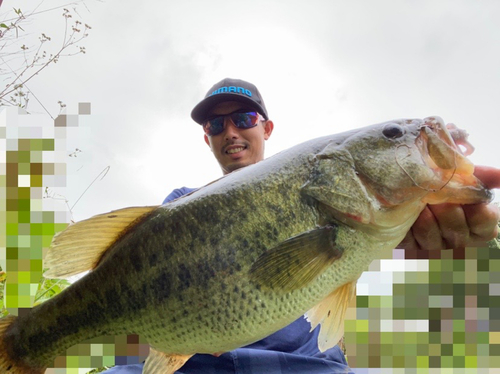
(236, 125)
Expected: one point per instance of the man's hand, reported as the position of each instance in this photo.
(447, 226)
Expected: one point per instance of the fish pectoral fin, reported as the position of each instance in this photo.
(297, 261)
(330, 314)
(81, 245)
(162, 363)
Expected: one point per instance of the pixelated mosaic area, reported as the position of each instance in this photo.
(438, 315)
(411, 315)
(33, 168)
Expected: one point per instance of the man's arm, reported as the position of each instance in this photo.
(447, 226)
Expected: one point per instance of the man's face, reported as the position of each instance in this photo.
(235, 148)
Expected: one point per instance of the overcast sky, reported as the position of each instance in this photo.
(322, 67)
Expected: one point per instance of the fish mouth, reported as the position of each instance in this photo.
(445, 149)
(443, 146)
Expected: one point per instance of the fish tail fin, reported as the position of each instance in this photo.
(8, 364)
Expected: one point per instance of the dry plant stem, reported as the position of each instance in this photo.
(37, 63)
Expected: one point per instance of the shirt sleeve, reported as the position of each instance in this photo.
(178, 192)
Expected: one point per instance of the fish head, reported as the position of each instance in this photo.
(416, 159)
(384, 175)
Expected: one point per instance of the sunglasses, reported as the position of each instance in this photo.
(242, 120)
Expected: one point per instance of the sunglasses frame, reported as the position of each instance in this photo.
(258, 116)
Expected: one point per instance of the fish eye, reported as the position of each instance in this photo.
(393, 131)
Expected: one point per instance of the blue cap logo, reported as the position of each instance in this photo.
(232, 89)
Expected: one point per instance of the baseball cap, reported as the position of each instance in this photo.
(229, 89)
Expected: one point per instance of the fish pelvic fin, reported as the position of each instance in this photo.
(9, 364)
(80, 247)
(330, 313)
(162, 363)
(297, 261)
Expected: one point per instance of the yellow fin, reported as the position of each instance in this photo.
(330, 314)
(80, 246)
(297, 261)
(162, 363)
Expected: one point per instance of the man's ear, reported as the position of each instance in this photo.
(268, 129)
(206, 140)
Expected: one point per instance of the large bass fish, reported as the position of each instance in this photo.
(248, 254)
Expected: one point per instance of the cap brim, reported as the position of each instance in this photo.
(200, 111)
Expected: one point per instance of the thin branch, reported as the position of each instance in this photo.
(50, 9)
(105, 171)
(37, 61)
(54, 58)
(39, 102)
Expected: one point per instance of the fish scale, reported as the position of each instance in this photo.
(225, 270)
(244, 256)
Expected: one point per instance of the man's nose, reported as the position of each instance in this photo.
(231, 131)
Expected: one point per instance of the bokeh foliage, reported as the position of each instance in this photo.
(445, 317)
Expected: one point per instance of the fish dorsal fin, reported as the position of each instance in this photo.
(162, 363)
(330, 314)
(81, 245)
(297, 261)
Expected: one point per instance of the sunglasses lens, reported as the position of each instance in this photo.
(214, 126)
(244, 120)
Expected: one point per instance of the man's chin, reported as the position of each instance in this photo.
(229, 168)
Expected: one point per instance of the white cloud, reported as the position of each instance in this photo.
(322, 67)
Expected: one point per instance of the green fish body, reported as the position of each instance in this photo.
(246, 255)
